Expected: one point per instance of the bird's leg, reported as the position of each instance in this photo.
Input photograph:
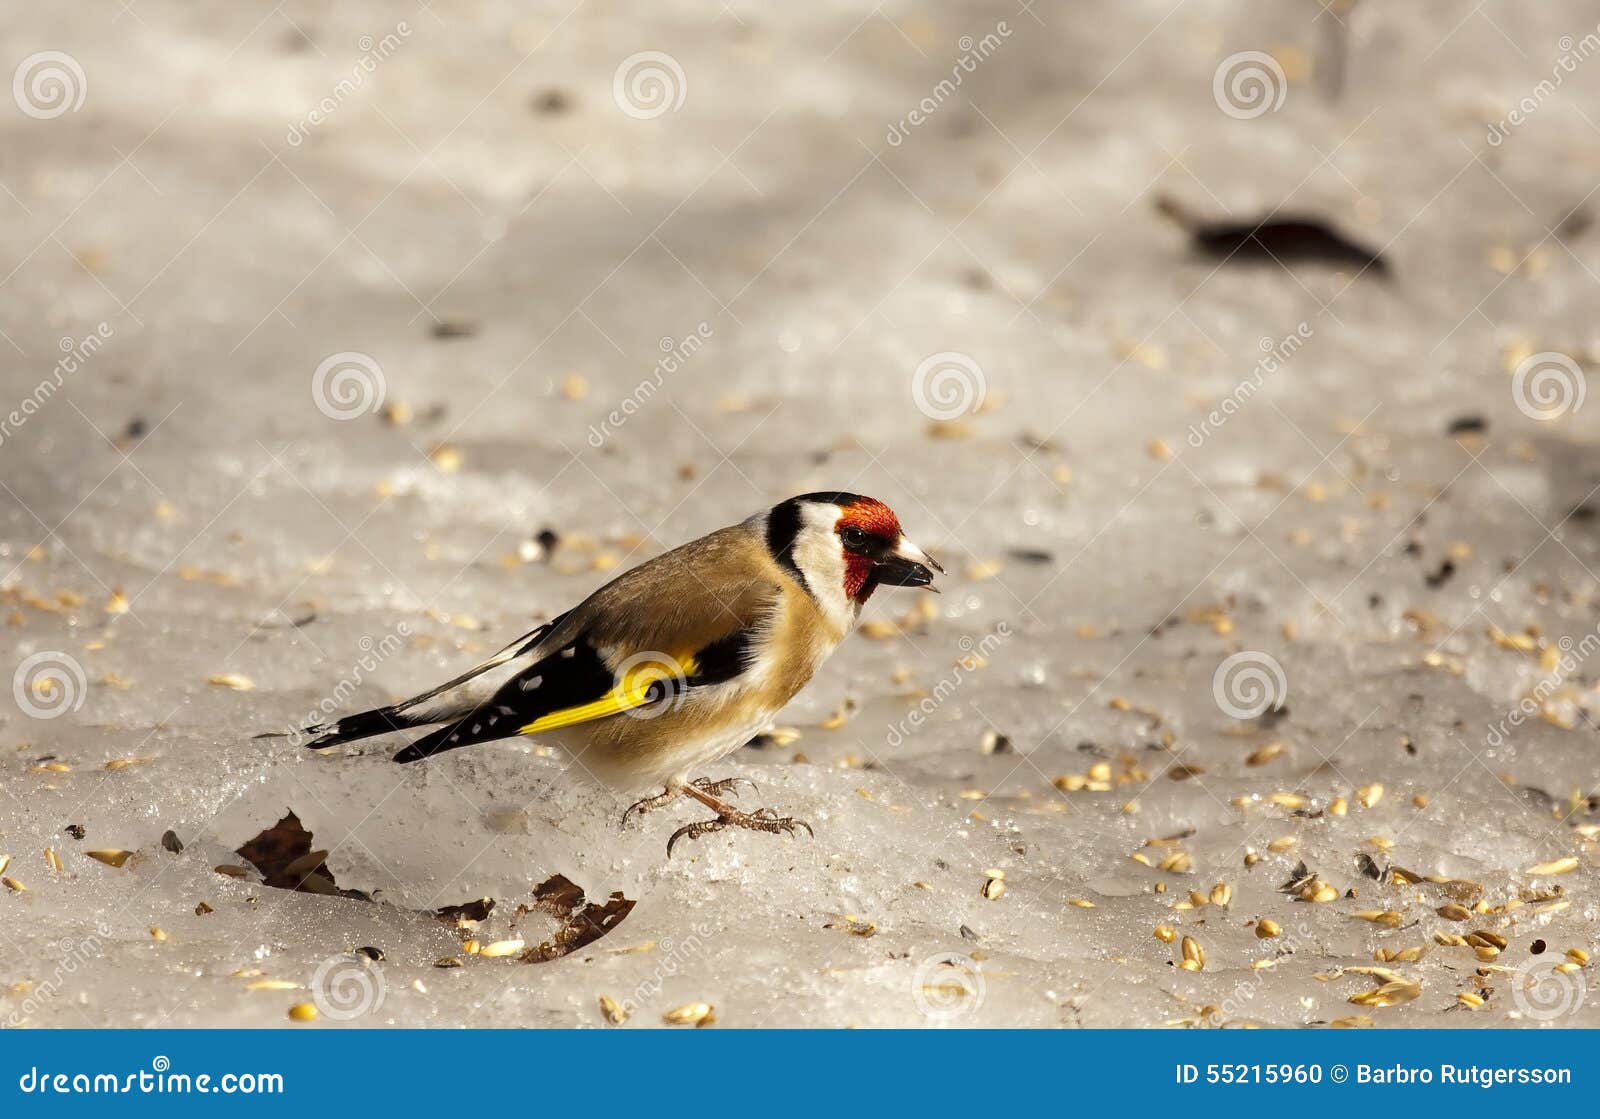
(648, 804)
(670, 793)
(763, 819)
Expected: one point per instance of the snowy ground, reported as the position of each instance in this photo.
(1392, 524)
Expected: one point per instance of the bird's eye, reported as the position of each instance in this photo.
(854, 539)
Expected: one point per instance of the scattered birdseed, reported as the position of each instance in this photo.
(1558, 866)
(1081, 903)
(612, 1010)
(1388, 918)
(169, 841)
(1266, 754)
(1166, 934)
(232, 680)
(157, 933)
(111, 856)
(1469, 1000)
(12, 884)
(993, 889)
(202, 909)
(1454, 912)
(302, 1012)
(1192, 952)
(52, 860)
(1221, 894)
(1267, 928)
(1391, 993)
(499, 948)
(690, 1014)
(1369, 795)
(272, 985)
(1318, 891)
(447, 961)
(123, 763)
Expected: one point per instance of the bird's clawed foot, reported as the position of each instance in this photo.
(714, 789)
(649, 804)
(763, 819)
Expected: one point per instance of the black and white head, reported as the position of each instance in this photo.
(842, 547)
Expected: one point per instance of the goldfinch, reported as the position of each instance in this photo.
(679, 661)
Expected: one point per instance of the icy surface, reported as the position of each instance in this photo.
(183, 511)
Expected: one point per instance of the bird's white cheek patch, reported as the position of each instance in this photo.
(819, 555)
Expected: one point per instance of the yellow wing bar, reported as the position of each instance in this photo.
(640, 673)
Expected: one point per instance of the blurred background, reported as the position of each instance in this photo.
(1231, 355)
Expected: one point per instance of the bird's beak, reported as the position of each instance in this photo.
(907, 566)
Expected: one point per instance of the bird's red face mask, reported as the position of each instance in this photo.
(876, 552)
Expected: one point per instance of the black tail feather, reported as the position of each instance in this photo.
(381, 720)
(485, 725)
